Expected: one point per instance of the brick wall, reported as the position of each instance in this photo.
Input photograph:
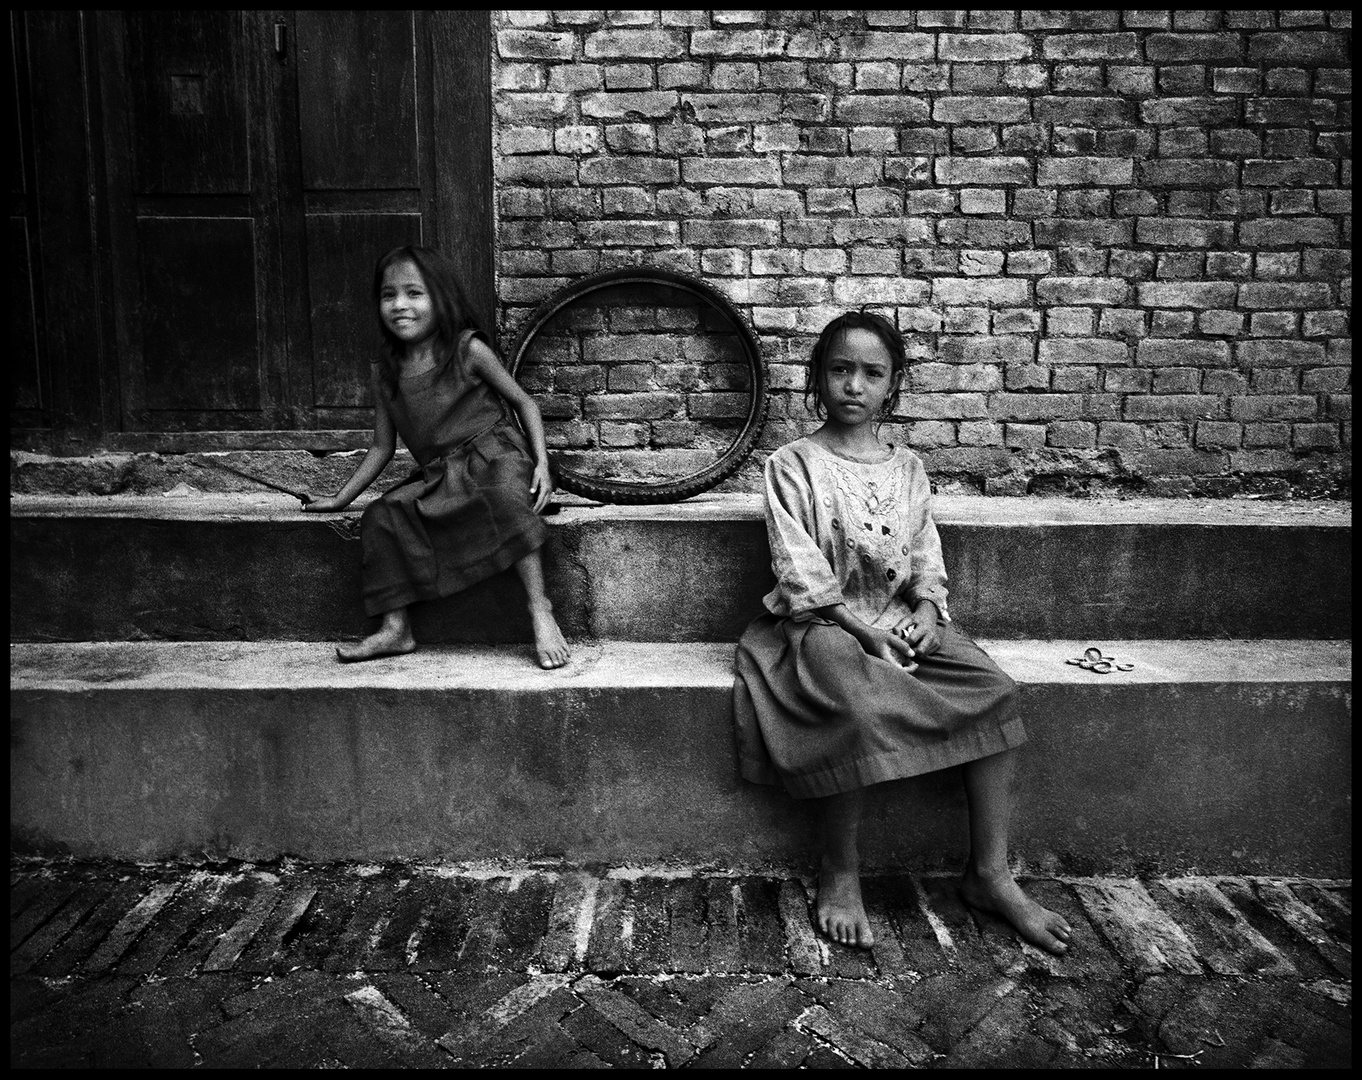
(1118, 243)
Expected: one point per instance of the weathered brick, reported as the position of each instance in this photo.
(1126, 381)
(1091, 47)
(983, 171)
(1080, 111)
(1218, 435)
(943, 407)
(979, 433)
(1070, 19)
(1187, 172)
(611, 105)
(973, 47)
(1085, 171)
(896, 109)
(884, 45)
(1275, 380)
(629, 233)
(1173, 407)
(929, 377)
(1314, 436)
(1326, 379)
(880, 290)
(1177, 462)
(738, 42)
(983, 233)
(1189, 111)
(1255, 354)
(1057, 232)
(1081, 290)
(1193, 48)
(1024, 436)
(629, 170)
(730, 231)
(1299, 47)
(960, 291)
(632, 406)
(1083, 351)
(1177, 380)
(1187, 294)
(535, 45)
(1008, 406)
(1300, 173)
(1153, 352)
(1289, 232)
(1184, 232)
(974, 109)
(1075, 379)
(1075, 434)
(1259, 408)
(528, 108)
(1278, 295)
(716, 406)
(1267, 435)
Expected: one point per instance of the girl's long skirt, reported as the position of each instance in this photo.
(818, 714)
(455, 521)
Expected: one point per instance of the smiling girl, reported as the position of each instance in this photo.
(855, 675)
(471, 509)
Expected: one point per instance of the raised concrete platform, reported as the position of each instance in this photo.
(250, 567)
(1218, 756)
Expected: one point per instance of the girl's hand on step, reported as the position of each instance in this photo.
(326, 505)
(542, 486)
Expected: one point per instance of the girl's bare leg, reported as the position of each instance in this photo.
(549, 643)
(988, 883)
(841, 913)
(392, 638)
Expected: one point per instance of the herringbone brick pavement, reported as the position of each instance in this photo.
(242, 966)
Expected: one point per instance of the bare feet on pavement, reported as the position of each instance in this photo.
(1000, 895)
(384, 642)
(549, 644)
(841, 914)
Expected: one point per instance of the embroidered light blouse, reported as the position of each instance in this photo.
(845, 532)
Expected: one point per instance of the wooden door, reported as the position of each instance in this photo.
(258, 163)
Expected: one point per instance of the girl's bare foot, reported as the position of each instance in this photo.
(549, 643)
(383, 642)
(841, 914)
(1002, 896)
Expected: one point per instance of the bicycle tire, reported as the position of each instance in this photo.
(639, 493)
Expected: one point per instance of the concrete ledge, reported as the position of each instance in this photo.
(131, 568)
(1225, 757)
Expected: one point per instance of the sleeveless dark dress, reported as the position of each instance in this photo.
(466, 513)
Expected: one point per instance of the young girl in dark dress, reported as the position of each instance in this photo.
(856, 675)
(472, 507)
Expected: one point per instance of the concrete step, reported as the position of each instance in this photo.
(1218, 756)
(255, 568)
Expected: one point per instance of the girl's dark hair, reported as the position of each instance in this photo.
(853, 320)
(453, 315)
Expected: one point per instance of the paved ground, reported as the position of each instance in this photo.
(292, 965)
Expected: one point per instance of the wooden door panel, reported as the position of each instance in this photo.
(357, 100)
(199, 313)
(190, 102)
(341, 251)
(24, 377)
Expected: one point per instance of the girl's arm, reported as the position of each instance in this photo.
(380, 452)
(485, 365)
(882, 643)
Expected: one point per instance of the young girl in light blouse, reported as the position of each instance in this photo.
(855, 674)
